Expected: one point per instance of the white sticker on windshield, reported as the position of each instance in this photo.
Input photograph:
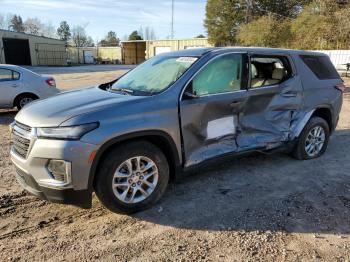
(187, 59)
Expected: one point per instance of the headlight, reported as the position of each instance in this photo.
(66, 132)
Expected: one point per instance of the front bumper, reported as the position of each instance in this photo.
(80, 198)
(33, 175)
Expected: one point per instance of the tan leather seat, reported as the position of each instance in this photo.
(277, 76)
(256, 81)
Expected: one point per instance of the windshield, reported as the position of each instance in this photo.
(154, 75)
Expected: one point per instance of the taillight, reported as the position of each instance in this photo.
(341, 87)
(51, 82)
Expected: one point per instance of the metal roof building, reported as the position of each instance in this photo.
(26, 49)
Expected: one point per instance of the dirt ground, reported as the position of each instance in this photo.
(257, 208)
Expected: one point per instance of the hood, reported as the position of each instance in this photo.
(53, 111)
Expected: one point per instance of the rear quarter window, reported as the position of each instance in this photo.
(321, 66)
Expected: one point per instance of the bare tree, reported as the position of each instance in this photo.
(140, 31)
(2, 22)
(48, 30)
(5, 21)
(16, 24)
(80, 38)
(147, 33)
(33, 26)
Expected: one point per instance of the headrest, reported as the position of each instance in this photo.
(278, 73)
(254, 71)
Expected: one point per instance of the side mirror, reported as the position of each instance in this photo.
(190, 95)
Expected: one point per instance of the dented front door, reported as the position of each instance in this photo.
(209, 114)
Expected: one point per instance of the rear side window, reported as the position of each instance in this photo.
(321, 66)
(8, 75)
(269, 70)
(5, 75)
(16, 75)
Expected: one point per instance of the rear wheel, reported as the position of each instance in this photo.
(313, 140)
(132, 177)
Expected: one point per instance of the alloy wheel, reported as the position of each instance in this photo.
(135, 179)
(24, 101)
(314, 141)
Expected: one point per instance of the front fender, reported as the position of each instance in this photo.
(175, 154)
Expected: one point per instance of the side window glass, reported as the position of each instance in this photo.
(16, 75)
(5, 75)
(266, 71)
(223, 74)
(321, 66)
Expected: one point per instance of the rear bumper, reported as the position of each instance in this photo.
(80, 198)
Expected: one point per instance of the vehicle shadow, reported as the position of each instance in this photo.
(7, 116)
(264, 192)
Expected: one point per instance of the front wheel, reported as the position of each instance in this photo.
(313, 140)
(132, 177)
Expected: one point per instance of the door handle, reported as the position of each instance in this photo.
(289, 94)
(236, 103)
(14, 85)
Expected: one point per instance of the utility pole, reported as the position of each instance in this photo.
(172, 20)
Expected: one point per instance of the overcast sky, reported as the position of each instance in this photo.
(121, 16)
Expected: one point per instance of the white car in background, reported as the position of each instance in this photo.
(20, 86)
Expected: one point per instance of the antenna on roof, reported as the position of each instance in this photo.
(172, 20)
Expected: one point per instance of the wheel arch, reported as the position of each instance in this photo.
(325, 112)
(159, 138)
(15, 101)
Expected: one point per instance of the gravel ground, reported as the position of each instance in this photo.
(257, 208)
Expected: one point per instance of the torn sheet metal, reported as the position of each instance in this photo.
(268, 114)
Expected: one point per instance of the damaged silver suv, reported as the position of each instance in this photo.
(126, 139)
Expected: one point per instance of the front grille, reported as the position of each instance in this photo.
(20, 142)
(28, 129)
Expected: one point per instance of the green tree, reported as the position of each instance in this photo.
(266, 31)
(341, 28)
(16, 24)
(223, 18)
(312, 29)
(110, 40)
(135, 36)
(200, 36)
(63, 31)
(280, 8)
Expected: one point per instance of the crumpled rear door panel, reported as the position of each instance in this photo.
(267, 117)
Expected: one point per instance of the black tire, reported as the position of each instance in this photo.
(18, 102)
(104, 176)
(299, 151)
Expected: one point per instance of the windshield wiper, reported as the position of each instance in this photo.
(123, 90)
